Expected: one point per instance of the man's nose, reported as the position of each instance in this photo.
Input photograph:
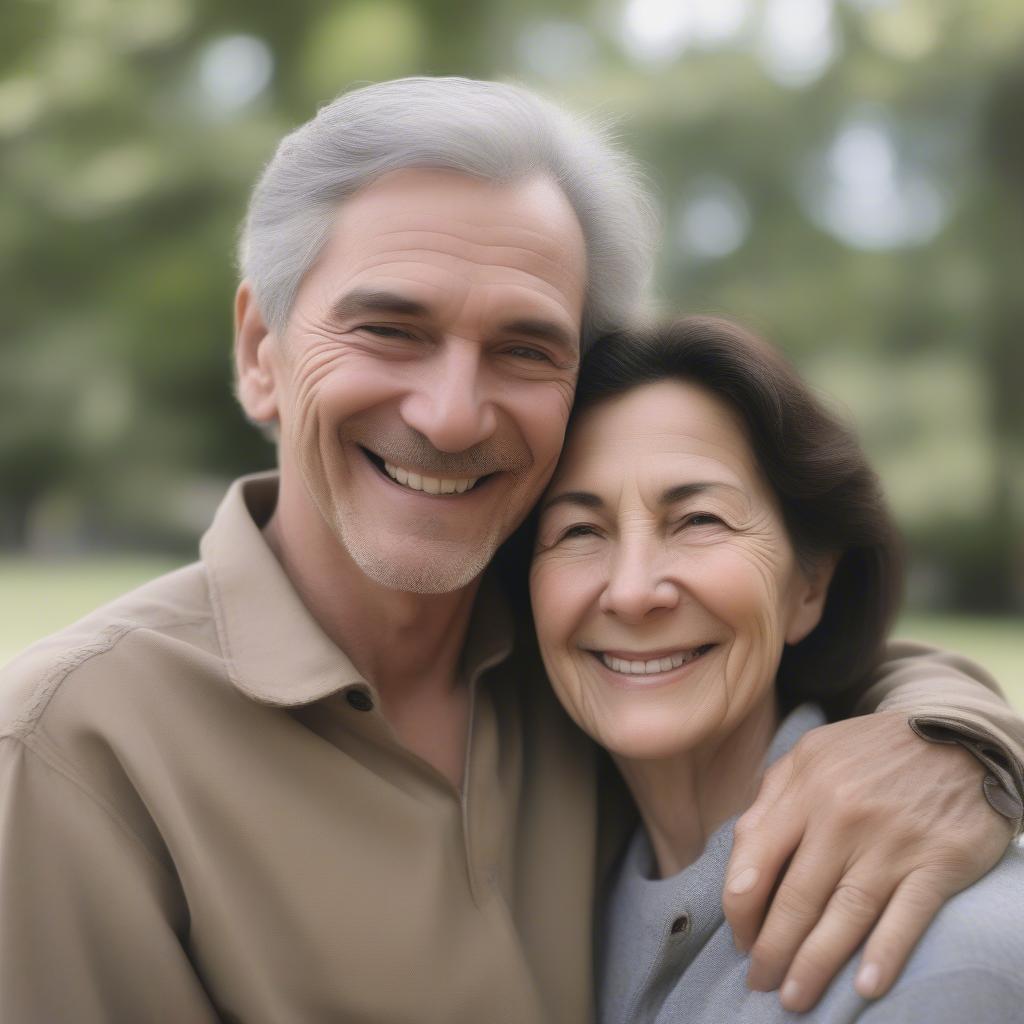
(449, 405)
(637, 585)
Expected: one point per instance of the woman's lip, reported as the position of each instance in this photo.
(645, 672)
(662, 652)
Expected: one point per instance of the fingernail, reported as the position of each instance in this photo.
(867, 981)
(743, 882)
(790, 994)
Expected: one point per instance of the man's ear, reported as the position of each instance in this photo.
(255, 380)
(809, 597)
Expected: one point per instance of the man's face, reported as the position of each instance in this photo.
(426, 374)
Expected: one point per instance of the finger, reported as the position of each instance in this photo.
(853, 909)
(764, 839)
(774, 783)
(911, 910)
(797, 906)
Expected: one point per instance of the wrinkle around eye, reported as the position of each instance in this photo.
(563, 535)
(568, 388)
(312, 365)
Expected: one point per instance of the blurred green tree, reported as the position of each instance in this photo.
(846, 176)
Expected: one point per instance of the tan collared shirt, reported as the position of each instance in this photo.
(203, 816)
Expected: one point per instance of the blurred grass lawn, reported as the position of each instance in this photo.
(38, 597)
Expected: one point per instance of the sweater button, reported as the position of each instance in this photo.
(359, 699)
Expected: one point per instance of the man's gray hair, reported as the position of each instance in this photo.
(498, 132)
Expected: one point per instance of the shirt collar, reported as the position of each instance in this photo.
(274, 650)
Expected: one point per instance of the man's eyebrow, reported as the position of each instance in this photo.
(359, 303)
(584, 498)
(362, 302)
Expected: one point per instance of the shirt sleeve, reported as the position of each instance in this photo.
(950, 699)
(91, 923)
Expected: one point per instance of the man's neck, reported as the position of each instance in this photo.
(406, 644)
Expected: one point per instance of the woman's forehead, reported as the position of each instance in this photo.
(657, 429)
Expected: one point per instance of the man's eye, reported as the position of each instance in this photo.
(535, 355)
(384, 331)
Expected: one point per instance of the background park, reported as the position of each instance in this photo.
(847, 176)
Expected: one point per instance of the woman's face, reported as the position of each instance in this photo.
(664, 584)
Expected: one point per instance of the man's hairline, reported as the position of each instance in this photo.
(332, 207)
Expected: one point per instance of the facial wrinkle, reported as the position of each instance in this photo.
(314, 364)
(494, 250)
(530, 282)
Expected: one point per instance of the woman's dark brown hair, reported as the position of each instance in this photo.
(830, 498)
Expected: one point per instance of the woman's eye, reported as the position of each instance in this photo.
(578, 530)
(702, 519)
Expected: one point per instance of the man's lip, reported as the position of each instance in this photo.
(377, 462)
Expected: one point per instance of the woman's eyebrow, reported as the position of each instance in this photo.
(682, 491)
(584, 498)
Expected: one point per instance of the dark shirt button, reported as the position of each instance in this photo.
(681, 925)
(359, 699)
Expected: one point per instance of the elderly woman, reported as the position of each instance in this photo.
(712, 553)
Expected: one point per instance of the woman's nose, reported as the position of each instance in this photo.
(636, 585)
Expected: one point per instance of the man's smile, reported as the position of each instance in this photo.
(423, 482)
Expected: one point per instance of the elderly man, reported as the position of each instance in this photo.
(317, 776)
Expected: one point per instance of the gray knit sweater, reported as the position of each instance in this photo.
(668, 954)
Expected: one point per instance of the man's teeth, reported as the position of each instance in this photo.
(647, 668)
(430, 484)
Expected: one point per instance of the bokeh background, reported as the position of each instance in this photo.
(847, 176)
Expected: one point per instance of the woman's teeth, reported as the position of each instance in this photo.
(429, 484)
(648, 668)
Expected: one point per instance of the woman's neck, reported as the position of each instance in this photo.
(683, 799)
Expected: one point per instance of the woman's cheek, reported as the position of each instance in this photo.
(564, 589)
(562, 578)
(741, 586)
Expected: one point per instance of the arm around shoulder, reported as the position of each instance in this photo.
(948, 698)
(864, 830)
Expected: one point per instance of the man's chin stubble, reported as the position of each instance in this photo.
(435, 575)
(432, 578)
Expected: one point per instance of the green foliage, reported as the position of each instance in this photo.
(127, 147)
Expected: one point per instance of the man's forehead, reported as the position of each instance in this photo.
(454, 210)
(444, 241)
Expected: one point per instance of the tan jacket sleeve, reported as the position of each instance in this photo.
(90, 922)
(950, 699)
